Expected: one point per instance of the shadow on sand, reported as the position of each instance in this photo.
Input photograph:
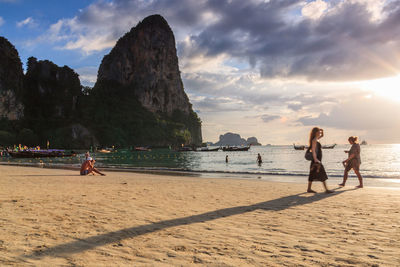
(92, 242)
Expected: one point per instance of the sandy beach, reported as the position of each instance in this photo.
(53, 217)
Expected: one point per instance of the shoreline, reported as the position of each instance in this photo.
(284, 178)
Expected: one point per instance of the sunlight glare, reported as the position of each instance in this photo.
(387, 87)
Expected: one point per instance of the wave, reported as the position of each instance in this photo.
(128, 168)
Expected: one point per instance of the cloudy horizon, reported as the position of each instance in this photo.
(269, 69)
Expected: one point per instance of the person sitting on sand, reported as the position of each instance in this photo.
(87, 156)
(317, 170)
(88, 167)
(353, 161)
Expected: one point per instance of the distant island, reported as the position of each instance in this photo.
(233, 139)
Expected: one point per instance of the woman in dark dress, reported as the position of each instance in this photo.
(317, 170)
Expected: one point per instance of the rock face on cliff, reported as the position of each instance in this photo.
(50, 91)
(11, 81)
(144, 60)
(139, 90)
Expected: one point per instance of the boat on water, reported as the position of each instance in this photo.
(184, 149)
(235, 148)
(206, 149)
(45, 153)
(106, 150)
(141, 148)
(329, 146)
(300, 147)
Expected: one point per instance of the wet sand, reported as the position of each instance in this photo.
(52, 217)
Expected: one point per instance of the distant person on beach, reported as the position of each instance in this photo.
(353, 161)
(88, 166)
(226, 159)
(259, 159)
(317, 170)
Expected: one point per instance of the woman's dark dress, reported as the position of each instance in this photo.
(317, 171)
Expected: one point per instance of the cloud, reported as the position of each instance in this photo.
(87, 75)
(29, 22)
(267, 118)
(344, 43)
(358, 112)
(102, 23)
(314, 9)
(343, 40)
(1, 21)
(218, 104)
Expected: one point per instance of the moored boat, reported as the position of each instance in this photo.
(206, 149)
(235, 148)
(329, 146)
(141, 148)
(45, 153)
(300, 147)
(184, 149)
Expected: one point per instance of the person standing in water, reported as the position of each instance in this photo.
(259, 159)
(317, 170)
(226, 159)
(353, 161)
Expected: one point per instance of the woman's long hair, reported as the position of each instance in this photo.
(313, 133)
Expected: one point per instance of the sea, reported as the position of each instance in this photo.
(281, 162)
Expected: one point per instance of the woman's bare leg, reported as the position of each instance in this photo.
(326, 188)
(309, 190)
(93, 170)
(344, 178)
(357, 172)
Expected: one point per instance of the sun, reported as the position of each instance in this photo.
(387, 87)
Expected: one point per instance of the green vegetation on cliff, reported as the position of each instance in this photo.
(117, 118)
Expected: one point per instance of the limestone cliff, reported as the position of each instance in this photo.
(11, 81)
(140, 81)
(50, 91)
(145, 60)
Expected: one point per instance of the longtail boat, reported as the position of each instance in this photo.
(206, 149)
(235, 148)
(329, 146)
(301, 147)
(45, 153)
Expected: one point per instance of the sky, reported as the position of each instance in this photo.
(272, 69)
